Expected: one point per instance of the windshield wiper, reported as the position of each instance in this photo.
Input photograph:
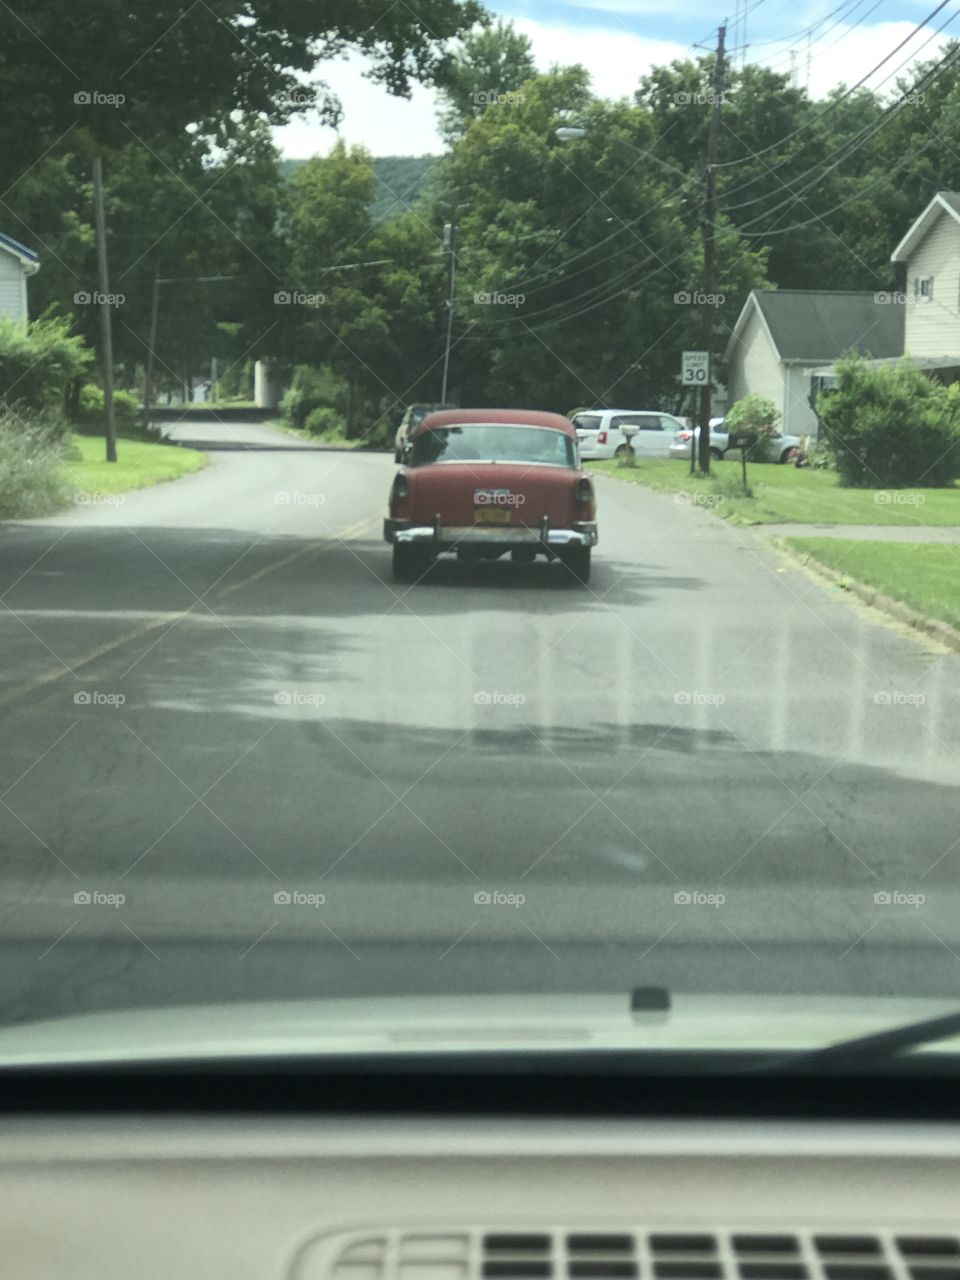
(872, 1049)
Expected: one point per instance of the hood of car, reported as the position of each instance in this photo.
(440, 1024)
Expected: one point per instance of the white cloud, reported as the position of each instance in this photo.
(616, 60)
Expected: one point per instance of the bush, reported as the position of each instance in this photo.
(90, 412)
(37, 362)
(760, 415)
(310, 389)
(888, 426)
(32, 478)
(325, 421)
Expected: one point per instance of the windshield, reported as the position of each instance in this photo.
(301, 701)
(493, 444)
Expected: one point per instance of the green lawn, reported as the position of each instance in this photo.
(924, 575)
(783, 494)
(139, 464)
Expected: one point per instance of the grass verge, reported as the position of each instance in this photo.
(784, 494)
(925, 576)
(139, 464)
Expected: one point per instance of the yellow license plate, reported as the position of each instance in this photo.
(492, 515)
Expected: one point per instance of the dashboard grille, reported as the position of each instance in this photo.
(586, 1254)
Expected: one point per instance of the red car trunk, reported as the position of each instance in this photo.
(504, 493)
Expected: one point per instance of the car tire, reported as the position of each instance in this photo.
(621, 450)
(576, 563)
(410, 563)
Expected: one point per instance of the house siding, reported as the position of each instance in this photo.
(798, 418)
(754, 367)
(933, 328)
(13, 288)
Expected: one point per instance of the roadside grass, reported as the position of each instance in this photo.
(328, 441)
(924, 575)
(784, 494)
(139, 464)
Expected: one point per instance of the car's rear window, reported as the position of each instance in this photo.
(587, 422)
(493, 443)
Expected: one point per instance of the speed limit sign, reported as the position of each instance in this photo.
(696, 368)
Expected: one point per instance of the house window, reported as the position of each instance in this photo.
(923, 288)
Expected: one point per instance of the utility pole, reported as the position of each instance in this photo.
(106, 334)
(708, 286)
(151, 347)
(450, 242)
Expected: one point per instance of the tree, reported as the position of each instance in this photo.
(127, 70)
(491, 63)
(577, 266)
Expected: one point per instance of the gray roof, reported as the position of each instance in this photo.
(821, 325)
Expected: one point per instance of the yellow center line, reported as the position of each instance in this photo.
(168, 619)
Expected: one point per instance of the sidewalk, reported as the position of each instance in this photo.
(943, 534)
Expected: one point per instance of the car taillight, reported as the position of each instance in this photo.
(602, 437)
(685, 435)
(400, 491)
(583, 496)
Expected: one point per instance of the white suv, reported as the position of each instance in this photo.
(600, 435)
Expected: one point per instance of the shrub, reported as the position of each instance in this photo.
(758, 414)
(325, 421)
(38, 361)
(32, 478)
(310, 389)
(90, 412)
(889, 426)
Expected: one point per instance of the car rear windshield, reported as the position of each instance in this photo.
(587, 422)
(493, 443)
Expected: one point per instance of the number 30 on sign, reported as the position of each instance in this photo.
(696, 368)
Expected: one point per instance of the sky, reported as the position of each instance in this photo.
(619, 40)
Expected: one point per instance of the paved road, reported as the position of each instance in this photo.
(214, 693)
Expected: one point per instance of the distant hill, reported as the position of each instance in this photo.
(400, 180)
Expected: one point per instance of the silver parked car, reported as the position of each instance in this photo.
(782, 447)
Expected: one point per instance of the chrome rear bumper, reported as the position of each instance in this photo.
(448, 537)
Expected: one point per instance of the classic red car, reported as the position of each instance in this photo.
(484, 482)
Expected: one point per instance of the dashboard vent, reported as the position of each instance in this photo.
(586, 1253)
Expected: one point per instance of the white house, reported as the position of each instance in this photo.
(930, 252)
(781, 335)
(16, 263)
